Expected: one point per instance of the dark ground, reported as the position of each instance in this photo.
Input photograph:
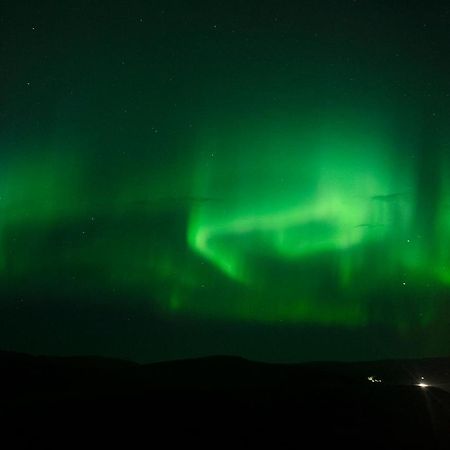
(219, 400)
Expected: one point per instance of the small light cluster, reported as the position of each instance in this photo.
(373, 379)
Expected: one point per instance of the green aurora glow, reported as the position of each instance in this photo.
(301, 189)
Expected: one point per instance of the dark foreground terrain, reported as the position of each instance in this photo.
(224, 400)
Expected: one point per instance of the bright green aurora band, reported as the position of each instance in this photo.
(319, 223)
(315, 223)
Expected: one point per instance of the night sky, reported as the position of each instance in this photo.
(258, 178)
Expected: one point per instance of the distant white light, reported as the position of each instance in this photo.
(422, 385)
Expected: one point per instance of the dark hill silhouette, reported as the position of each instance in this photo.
(225, 398)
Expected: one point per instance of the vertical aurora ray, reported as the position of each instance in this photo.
(36, 192)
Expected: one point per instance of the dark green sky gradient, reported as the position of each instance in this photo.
(188, 178)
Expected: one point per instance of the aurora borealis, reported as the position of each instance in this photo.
(182, 178)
